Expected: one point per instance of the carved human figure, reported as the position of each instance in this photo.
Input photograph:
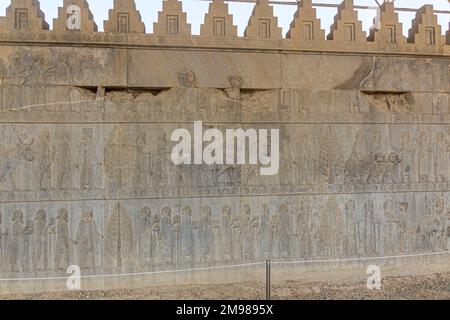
(73, 21)
(425, 152)
(205, 235)
(186, 236)
(166, 236)
(351, 230)
(377, 170)
(304, 230)
(62, 254)
(305, 161)
(140, 178)
(44, 156)
(176, 239)
(145, 237)
(226, 234)
(264, 247)
(156, 240)
(64, 161)
(391, 173)
(158, 170)
(86, 238)
(40, 249)
(408, 156)
(2, 235)
(405, 232)
(288, 163)
(87, 163)
(246, 237)
(441, 157)
(286, 234)
(15, 242)
(236, 239)
(392, 232)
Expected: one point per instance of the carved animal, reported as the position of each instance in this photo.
(357, 170)
(377, 170)
(10, 159)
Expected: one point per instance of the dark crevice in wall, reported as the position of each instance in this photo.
(134, 91)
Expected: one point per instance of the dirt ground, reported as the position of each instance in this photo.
(435, 286)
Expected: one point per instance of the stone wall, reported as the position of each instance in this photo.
(85, 124)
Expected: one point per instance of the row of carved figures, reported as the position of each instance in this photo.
(124, 18)
(164, 239)
(140, 164)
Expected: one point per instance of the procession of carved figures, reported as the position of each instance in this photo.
(136, 158)
(131, 237)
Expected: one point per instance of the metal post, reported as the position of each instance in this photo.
(267, 279)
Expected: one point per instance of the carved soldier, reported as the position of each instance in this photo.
(441, 157)
(166, 236)
(176, 226)
(156, 240)
(264, 247)
(408, 167)
(87, 165)
(64, 161)
(205, 235)
(86, 238)
(236, 239)
(392, 232)
(145, 237)
(425, 151)
(140, 179)
(45, 156)
(304, 230)
(62, 257)
(246, 236)
(186, 236)
(15, 242)
(40, 249)
(226, 233)
(351, 230)
(286, 234)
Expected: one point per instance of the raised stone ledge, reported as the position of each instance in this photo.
(420, 41)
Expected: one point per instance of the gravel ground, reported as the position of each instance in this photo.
(436, 286)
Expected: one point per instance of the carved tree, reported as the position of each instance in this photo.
(119, 238)
(263, 24)
(172, 21)
(331, 159)
(218, 21)
(124, 18)
(346, 26)
(305, 25)
(24, 15)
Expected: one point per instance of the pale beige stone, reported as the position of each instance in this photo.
(346, 26)
(172, 21)
(124, 18)
(425, 31)
(262, 23)
(218, 22)
(24, 15)
(305, 25)
(387, 29)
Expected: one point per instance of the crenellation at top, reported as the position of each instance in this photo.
(24, 21)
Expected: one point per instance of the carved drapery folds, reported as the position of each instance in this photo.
(124, 18)
(263, 24)
(425, 31)
(218, 21)
(387, 28)
(346, 26)
(305, 25)
(172, 21)
(75, 15)
(24, 15)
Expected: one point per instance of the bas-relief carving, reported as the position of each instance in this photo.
(165, 234)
